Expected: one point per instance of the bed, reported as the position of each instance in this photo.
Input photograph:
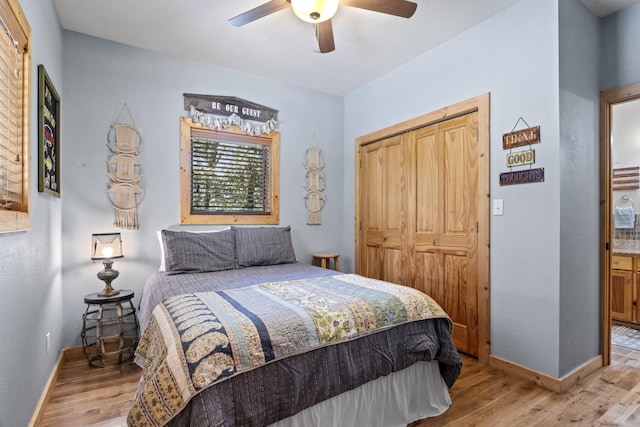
(237, 332)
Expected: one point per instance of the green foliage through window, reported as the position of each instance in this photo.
(229, 177)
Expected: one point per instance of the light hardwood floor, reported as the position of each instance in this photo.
(85, 396)
(482, 396)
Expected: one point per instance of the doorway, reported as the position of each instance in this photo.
(619, 289)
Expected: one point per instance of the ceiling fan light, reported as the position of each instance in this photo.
(314, 11)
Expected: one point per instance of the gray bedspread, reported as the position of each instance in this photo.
(160, 286)
(283, 388)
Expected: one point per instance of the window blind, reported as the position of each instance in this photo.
(11, 161)
(229, 177)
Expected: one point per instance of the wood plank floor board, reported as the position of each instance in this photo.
(573, 412)
(482, 396)
(98, 397)
(627, 409)
(585, 404)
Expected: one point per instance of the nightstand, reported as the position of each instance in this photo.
(109, 329)
(324, 260)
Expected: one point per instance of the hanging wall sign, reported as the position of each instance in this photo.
(521, 137)
(228, 105)
(626, 178)
(521, 158)
(208, 109)
(522, 177)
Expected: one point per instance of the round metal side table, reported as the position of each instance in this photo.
(110, 328)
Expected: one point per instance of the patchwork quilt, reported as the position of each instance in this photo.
(196, 340)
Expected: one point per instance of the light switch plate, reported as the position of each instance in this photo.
(498, 206)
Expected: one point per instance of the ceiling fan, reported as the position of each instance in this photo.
(320, 12)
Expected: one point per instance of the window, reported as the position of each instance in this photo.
(228, 177)
(14, 117)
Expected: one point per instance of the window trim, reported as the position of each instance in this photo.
(235, 134)
(11, 220)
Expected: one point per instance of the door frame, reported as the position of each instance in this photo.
(480, 104)
(607, 99)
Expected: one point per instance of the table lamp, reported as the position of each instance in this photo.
(106, 247)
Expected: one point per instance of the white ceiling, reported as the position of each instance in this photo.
(280, 46)
(603, 8)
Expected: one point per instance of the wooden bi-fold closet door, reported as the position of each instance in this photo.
(419, 217)
(384, 207)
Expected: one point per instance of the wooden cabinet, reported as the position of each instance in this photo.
(624, 280)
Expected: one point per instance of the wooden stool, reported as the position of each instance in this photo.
(324, 260)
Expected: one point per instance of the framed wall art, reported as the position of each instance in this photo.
(48, 135)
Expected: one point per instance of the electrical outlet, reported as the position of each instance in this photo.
(48, 341)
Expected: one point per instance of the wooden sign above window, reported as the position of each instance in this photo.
(228, 105)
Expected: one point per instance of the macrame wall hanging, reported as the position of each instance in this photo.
(315, 198)
(125, 171)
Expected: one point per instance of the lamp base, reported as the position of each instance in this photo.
(108, 291)
(108, 275)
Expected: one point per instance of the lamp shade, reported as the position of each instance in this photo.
(314, 11)
(106, 246)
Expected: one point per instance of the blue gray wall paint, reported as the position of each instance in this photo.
(579, 186)
(544, 267)
(620, 56)
(100, 77)
(30, 261)
(533, 73)
(521, 73)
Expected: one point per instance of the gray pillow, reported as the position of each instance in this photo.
(198, 252)
(263, 246)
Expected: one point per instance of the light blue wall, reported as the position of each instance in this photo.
(514, 56)
(620, 55)
(579, 186)
(545, 249)
(525, 57)
(100, 76)
(30, 261)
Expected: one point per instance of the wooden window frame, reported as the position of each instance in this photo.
(234, 134)
(14, 18)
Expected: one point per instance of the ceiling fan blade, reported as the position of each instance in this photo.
(324, 34)
(259, 12)
(402, 8)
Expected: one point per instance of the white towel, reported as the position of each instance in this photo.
(624, 218)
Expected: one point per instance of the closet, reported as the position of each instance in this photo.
(421, 218)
